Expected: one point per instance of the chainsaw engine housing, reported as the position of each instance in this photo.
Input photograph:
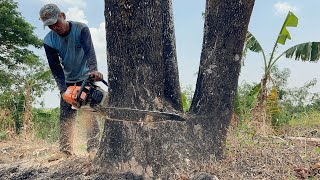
(88, 95)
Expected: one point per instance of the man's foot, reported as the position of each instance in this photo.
(59, 155)
(92, 154)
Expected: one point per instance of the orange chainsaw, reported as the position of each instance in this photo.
(91, 97)
(86, 94)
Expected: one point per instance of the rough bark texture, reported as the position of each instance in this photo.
(226, 24)
(143, 74)
(142, 63)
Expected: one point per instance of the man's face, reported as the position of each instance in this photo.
(60, 27)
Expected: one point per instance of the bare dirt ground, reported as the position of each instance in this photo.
(248, 156)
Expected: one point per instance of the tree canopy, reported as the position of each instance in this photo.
(16, 35)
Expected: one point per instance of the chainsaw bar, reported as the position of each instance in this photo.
(168, 116)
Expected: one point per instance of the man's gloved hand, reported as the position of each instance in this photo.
(97, 76)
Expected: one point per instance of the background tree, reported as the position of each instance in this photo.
(21, 71)
(143, 74)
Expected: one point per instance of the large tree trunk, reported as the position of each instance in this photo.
(143, 74)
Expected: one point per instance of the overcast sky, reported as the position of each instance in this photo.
(266, 21)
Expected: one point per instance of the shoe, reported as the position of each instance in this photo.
(59, 155)
(92, 154)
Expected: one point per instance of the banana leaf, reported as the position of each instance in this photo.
(291, 21)
(252, 43)
(309, 51)
(253, 95)
(255, 90)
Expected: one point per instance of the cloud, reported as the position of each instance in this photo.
(99, 42)
(73, 3)
(282, 8)
(76, 14)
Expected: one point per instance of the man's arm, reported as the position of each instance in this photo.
(89, 53)
(88, 48)
(56, 68)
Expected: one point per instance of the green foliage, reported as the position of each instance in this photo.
(318, 150)
(306, 52)
(15, 36)
(283, 103)
(280, 80)
(306, 119)
(184, 102)
(186, 95)
(251, 44)
(3, 135)
(17, 114)
(246, 98)
(291, 21)
(10, 104)
(309, 51)
(292, 102)
(15, 30)
(300, 100)
(22, 73)
(45, 124)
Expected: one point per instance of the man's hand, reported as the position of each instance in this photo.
(97, 76)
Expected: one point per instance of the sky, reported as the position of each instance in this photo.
(265, 24)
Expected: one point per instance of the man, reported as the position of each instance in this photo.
(71, 58)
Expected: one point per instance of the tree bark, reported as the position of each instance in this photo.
(226, 24)
(143, 74)
(142, 63)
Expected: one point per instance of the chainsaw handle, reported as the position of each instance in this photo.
(81, 89)
(103, 81)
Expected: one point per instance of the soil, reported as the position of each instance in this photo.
(248, 156)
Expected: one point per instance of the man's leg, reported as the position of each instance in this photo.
(67, 121)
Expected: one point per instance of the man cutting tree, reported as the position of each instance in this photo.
(71, 58)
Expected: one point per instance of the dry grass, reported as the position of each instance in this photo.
(248, 154)
(253, 156)
(23, 149)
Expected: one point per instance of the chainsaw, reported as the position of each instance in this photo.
(91, 97)
(86, 95)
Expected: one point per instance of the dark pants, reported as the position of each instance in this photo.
(67, 122)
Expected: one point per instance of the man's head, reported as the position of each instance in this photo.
(52, 17)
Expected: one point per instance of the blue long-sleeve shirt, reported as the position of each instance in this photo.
(70, 57)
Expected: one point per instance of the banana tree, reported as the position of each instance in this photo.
(309, 51)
